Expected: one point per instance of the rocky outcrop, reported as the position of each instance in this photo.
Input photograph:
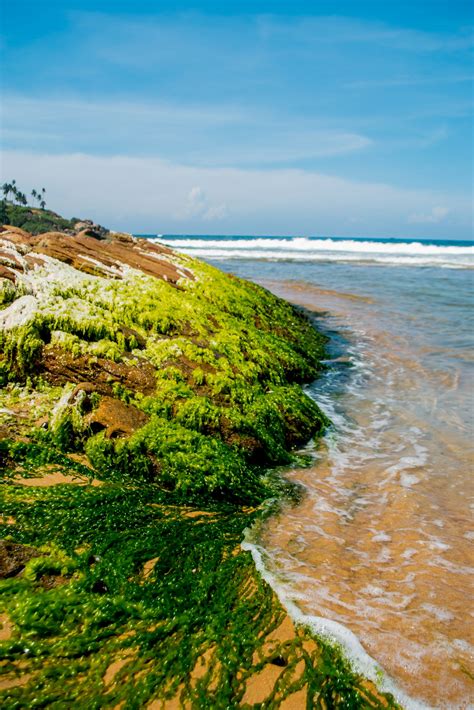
(37, 221)
(60, 367)
(143, 395)
(152, 364)
(88, 228)
(90, 252)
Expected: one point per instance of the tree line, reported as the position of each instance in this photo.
(10, 188)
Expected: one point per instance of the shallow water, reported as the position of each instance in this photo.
(381, 542)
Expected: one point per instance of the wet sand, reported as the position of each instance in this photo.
(381, 540)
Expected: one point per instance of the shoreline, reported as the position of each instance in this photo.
(363, 605)
(338, 636)
(122, 559)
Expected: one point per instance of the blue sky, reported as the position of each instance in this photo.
(338, 118)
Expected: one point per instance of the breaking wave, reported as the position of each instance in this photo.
(415, 253)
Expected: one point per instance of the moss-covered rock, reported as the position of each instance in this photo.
(221, 358)
(143, 397)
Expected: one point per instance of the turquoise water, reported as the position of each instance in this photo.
(378, 555)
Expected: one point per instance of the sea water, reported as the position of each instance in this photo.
(378, 555)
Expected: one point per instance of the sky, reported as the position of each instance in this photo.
(292, 118)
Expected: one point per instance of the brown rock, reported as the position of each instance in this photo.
(86, 387)
(9, 259)
(95, 251)
(6, 273)
(13, 558)
(122, 237)
(87, 225)
(59, 367)
(82, 224)
(10, 229)
(117, 418)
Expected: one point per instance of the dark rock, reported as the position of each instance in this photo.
(13, 558)
(90, 233)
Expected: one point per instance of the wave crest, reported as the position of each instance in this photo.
(414, 253)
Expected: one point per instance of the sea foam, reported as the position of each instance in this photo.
(327, 249)
(331, 630)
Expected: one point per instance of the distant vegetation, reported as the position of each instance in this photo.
(10, 188)
(36, 219)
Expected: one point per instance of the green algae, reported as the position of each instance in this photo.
(225, 404)
(199, 599)
(225, 357)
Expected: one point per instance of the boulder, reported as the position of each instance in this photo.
(116, 418)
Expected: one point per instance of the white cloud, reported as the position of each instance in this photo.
(197, 205)
(153, 195)
(60, 108)
(158, 37)
(436, 215)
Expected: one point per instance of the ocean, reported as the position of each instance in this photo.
(378, 554)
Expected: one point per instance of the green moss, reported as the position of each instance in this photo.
(51, 561)
(20, 348)
(67, 428)
(226, 355)
(67, 341)
(177, 458)
(107, 349)
(8, 292)
(199, 414)
(85, 601)
(224, 361)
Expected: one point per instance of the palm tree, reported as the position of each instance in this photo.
(6, 189)
(33, 194)
(42, 204)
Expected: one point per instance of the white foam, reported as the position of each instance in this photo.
(407, 480)
(439, 614)
(346, 250)
(332, 631)
(341, 245)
